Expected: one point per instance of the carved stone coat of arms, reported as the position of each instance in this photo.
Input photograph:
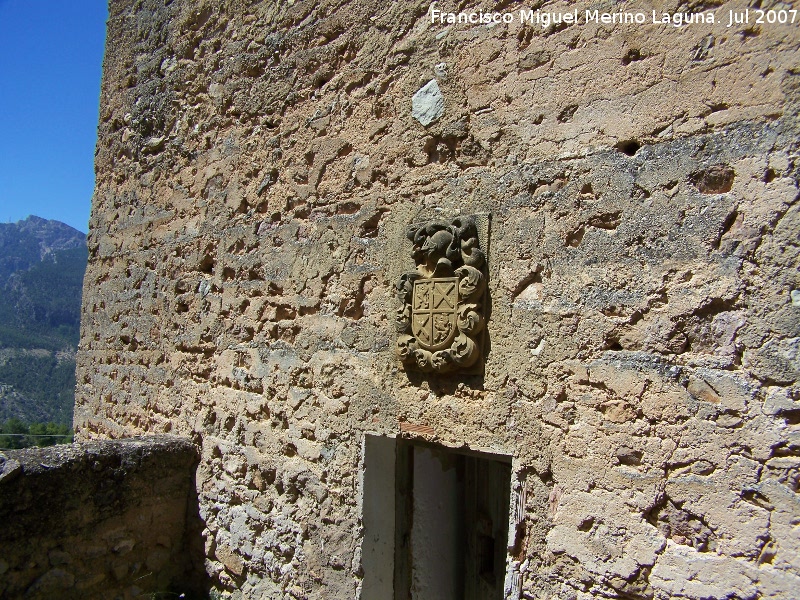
(441, 314)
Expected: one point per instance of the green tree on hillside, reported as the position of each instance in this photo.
(15, 434)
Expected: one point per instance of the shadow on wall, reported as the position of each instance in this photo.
(106, 519)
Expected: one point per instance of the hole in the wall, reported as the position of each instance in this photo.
(206, 264)
(269, 476)
(632, 55)
(790, 416)
(290, 450)
(628, 147)
(321, 80)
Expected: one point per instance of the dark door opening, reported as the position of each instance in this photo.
(448, 522)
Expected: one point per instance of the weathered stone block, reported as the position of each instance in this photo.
(82, 520)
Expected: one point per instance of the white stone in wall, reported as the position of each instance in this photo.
(427, 105)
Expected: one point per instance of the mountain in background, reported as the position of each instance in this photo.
(42, 264)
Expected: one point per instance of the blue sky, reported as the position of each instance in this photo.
(51, 54)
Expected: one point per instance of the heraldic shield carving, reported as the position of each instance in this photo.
(441, 314)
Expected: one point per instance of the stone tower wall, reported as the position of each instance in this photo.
(257, 167)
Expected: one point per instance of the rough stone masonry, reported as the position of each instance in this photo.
(98, 519)
(258, 165)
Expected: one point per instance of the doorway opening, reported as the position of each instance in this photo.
(435, 521)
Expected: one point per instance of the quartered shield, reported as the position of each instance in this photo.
(433, 319)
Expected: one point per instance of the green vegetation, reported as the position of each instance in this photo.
(16, 434)
(41, 307)
(42, 263)
(47, 382)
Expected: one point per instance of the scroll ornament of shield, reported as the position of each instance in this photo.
(441, 312)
